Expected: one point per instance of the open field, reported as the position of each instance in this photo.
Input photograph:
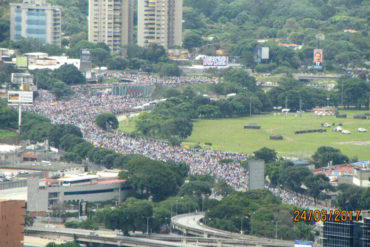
(229, 134)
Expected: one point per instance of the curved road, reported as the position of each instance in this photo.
(191, 223)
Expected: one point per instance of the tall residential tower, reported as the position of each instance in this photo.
(160, 22)
(35, 19)
(111, 22)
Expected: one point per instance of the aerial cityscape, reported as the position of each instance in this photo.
(184, 123)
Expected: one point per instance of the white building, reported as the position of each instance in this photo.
(43, 195)
(361, 177)
(160, 22)
(40, 60)
(111, 22)
(35, 19)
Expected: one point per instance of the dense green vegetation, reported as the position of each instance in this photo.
(352, 197)
(106, 121)
(257, 212)
(237, 24)
(58, 81)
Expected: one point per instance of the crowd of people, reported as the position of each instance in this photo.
(145, 78)
(81, 109)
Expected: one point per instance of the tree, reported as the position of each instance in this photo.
(316, 184)
(60, 130)
(169, 69)
(106, 121)
(146, 177)
(266, 154)
(117, 63)
(195, 188)
(69, 74)
(294, 176)
(192, 40)
(324, 155)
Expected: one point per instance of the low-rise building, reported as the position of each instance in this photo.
(361, 177)
(45, 194)
(41, 60)
(10, 154)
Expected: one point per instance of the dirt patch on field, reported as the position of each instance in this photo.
(359, 143)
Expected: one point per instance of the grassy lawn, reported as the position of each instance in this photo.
(272, 78)
(229, 134)
(127, 126)
(7, 134)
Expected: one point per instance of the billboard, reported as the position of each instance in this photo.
(21, 62)
(20, 97)
(317, 58)
(265, 53)
(215, 61)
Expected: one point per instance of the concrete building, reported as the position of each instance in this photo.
(43, 195)
(111, 22)
(346, 233)
(160, 22)
(12, 220)
(10, 154)
(41, 60)
(86, 62)
(361, 177)
(35, 19)
(256, 174)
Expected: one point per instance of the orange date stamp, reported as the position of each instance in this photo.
(326, 215)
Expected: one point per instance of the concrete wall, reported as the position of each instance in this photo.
(256, 176)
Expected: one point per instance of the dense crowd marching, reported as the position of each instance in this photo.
(150, 79)
(81, 109)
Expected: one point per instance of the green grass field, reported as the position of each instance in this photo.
(127, 126)
(7, 134)
(229, 134)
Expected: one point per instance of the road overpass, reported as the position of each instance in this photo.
(190, 224)
(103, 237)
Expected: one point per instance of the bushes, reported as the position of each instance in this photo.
(106, 121)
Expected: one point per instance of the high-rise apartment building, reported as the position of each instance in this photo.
(111, 22)
(12, 220)
(35, 19)
(160, 22)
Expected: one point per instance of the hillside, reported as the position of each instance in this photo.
(236, 25)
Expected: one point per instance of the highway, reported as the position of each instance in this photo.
(190, 224)
(104, 237)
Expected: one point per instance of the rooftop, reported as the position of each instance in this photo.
(5, 148)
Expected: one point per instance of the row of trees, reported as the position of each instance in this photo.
(251, 212)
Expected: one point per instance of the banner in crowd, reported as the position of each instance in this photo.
(20, 97)
(215, 61)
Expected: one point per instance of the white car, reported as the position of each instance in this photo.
(346, 132)
(361, 130)
(338, 129)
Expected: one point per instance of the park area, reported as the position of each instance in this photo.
(230, 135)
